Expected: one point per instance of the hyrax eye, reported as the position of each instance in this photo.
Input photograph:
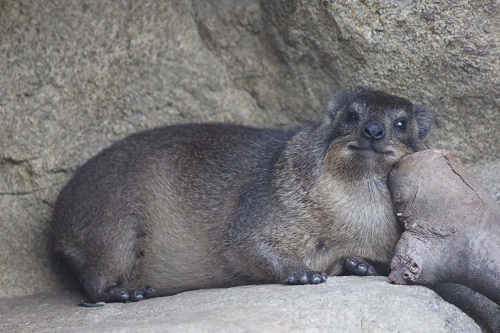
(400, 124)
(352, 116)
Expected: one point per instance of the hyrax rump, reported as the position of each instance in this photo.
(200, 206)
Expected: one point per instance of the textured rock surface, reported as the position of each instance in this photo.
(343, 304)
(443, 53)
(76, 75)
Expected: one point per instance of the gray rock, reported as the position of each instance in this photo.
(445, 54)
(78, 76)
(342, 304)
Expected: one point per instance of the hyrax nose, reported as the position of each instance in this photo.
(373, 130)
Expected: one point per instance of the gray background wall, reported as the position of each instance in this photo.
(76, 76)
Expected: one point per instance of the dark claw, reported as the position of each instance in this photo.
(307, 278)
(124, 296)
(292, 279)
(319, 278)
(137, 296)
(350, 264)
(303, 279)
(359, 267)
(371, 271)
(148, 291)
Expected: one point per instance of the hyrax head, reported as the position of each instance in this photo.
(371, 130)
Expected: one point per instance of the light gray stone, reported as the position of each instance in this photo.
(342, 304)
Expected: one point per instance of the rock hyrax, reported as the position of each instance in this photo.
(216, 205)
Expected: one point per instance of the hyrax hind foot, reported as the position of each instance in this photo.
(311, 277)
(136, 295)
(359, 266)
(119, 294)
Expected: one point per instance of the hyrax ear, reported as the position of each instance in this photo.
(338, 101)
(424, 120)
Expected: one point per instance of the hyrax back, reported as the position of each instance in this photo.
(198, 206)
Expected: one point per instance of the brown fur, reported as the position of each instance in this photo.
(198, 206)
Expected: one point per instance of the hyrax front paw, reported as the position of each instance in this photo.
(359, 266)
(311, 277)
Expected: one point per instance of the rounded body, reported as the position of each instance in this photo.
(199, 206)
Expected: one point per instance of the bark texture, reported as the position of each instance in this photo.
(452, 231)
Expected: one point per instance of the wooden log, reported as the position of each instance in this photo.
(452, 226)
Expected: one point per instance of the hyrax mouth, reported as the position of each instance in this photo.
(370, 150)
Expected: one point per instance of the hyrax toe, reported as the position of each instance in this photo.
(311, 277)
(358, 266)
